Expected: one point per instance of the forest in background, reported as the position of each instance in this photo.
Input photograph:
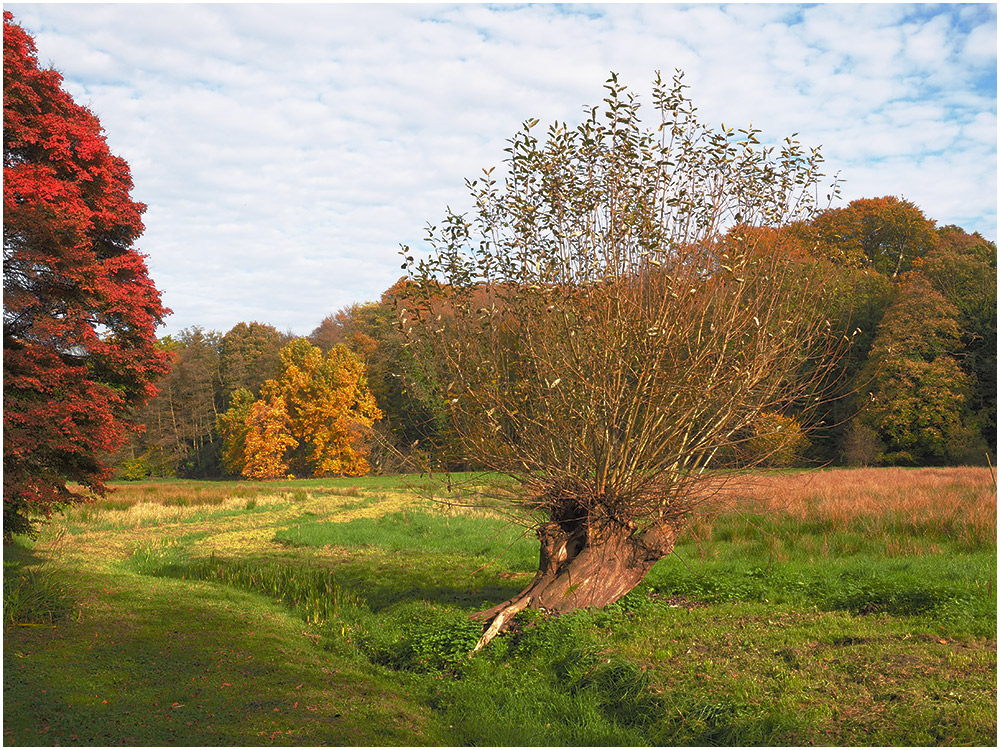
(917, 386)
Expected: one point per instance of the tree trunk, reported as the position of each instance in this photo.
(574, 572)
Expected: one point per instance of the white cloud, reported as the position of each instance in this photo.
(981, 44)
(286, 151)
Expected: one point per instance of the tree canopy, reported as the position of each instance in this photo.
(886, 234)
(312, 419)
(416, 432)
(80, 310)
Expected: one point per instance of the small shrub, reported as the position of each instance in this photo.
(777, 440)
(862, 446)
(133, 470)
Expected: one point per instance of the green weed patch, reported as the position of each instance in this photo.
(313, 592)
(426, 531)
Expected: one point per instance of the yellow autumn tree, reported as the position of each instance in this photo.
(777, 440)
(314, 419)
(233, 427)
(330, 407)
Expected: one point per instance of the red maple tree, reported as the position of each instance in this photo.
(79, 308)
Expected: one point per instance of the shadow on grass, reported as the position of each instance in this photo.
(165, 662)
(374, 584)
(16, 553)
(407, 578)
(382, 597)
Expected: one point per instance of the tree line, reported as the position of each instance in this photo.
(916, 386)
(627, 309)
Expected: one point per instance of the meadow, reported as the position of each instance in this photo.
(840, 607)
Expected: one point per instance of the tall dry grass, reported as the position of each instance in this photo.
(138, 504)
(175, 493)
(956, 503)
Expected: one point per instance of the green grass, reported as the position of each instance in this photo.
(336, 612)
(167, 662)
(421, 531)
(957, 590)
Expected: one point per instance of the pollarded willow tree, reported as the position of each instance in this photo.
(608, 325)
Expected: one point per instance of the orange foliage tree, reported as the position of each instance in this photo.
(313, 419)
(885, 234)
(268, 440)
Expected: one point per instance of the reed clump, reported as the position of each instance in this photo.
(312, 591)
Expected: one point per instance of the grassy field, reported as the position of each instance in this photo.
(848, 607)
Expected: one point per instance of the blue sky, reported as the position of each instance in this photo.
(286, 151)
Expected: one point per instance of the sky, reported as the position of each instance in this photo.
(286, 152)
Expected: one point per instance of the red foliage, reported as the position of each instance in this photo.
(80, 311)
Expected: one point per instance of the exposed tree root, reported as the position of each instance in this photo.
(500, 620)
(574, 574)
